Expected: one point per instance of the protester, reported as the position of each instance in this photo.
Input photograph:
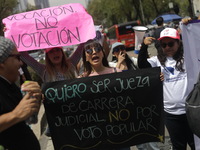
(102, 39)
(159, 28)
(95, 63)
(14, 110)
(94, 60)
(170, 59)
(57, 67)
(123, 60)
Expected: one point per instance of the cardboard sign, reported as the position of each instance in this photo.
(106, 111)
(55, 26)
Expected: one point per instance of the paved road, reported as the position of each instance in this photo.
(46, 144)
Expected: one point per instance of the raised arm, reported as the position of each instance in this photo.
(34, 64)
(76, 56)
(143, 53)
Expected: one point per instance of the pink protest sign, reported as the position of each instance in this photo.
(55, 26)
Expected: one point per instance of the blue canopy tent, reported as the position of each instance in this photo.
(168, 18)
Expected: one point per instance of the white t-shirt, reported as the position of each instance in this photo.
(174, 86)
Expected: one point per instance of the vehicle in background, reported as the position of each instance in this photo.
(123, 33)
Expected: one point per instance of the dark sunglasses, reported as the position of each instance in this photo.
(96, 49)
(18, 56)
(118, 48)
(55, 50)
(170, 44)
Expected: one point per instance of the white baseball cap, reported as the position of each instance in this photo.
(169, 32)
(115, 45)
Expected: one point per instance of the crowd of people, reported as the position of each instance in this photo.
(15, 134)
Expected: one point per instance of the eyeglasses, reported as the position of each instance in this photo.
(96, 49)
(118, 48)
(18, 56)
(170, 44)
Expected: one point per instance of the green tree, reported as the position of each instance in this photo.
(6, 9)
(109, 12)
(154, 8)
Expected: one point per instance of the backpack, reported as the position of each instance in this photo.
(193, 108)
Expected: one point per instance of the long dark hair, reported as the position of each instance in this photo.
(129, 63)
(87, 65)
(178, 57)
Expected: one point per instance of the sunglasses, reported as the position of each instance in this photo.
(96, 49)
(18, 56)
(54, 50)
(169, 44)
(118, 48)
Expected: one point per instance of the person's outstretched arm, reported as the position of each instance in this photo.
(77, 54)
(143, 53)
(34, 64)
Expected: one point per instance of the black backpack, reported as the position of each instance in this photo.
(193, 108)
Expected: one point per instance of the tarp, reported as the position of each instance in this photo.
(168, 18)
(55, 26)
(190, 36)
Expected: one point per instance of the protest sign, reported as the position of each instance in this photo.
(106, 111)
(50, 27)
(190, 36)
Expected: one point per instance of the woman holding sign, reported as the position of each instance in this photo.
(57, 67)
(95, 63)
(170, 59)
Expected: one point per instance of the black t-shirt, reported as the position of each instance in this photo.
(157, 35)
(19, 136)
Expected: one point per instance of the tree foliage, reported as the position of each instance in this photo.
(109, 12)
(6, 9)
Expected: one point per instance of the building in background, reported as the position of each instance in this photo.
(42, 3)
(22, 5)
(63, 2)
